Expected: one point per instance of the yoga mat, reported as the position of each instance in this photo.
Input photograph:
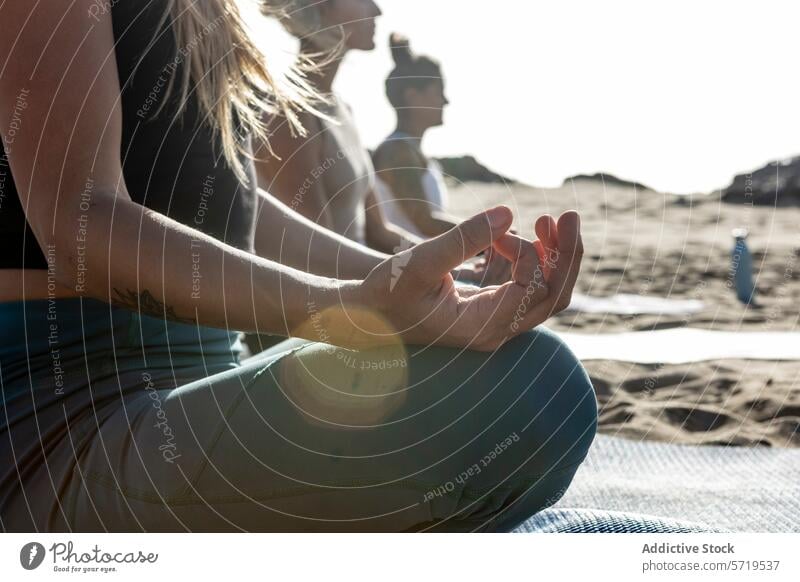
(602, 521)
(630, 304)
(722, 488)
(682, 345)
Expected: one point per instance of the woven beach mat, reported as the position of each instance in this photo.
(634, 486)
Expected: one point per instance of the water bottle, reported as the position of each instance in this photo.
(742, 267)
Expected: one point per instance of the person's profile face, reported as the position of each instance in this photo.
(357, 19)
(427, 103)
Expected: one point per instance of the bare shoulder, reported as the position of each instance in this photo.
(286, 146)
(398, 153)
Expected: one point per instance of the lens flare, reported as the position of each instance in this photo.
(350, 388)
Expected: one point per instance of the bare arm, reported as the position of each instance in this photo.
(285, 236)
(381, 234)
(295, 179)
(65, 159)
(66, 165)
(402, 170)
(294, 225)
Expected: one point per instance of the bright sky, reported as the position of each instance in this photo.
(678, 94)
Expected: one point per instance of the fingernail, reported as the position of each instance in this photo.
(498, 217)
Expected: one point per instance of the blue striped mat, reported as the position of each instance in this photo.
(632, 486)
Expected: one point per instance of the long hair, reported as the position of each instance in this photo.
(229, 77)
(303, 20)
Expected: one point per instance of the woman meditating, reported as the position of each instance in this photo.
(327, 174)
(136, 247)
(409, 185)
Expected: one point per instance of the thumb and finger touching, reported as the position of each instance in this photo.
(563, 249)
(560, 249)
(447, 251)
(549, 265)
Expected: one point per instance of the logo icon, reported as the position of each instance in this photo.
(399, 261)
(31, 555)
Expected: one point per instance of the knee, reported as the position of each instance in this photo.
(556, 400)
(533, 407)
(559, 408)
(528, 416)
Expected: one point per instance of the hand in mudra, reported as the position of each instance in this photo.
(416, 294)
(491, 268)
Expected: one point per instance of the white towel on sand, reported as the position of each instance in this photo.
(681, 345)
(630, 304)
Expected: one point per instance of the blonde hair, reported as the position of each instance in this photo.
(302, 19)
(229, 77)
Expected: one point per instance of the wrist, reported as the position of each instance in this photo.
(368, 260)
(345, 313)
(328, 294)
(350, 293)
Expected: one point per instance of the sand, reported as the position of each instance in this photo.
(640, 241)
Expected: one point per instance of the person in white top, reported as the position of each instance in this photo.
(409, 185)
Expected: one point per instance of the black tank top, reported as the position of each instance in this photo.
(171, 164)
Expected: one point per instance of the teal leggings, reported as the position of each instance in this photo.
(136, 424)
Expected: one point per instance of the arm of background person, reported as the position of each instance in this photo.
(296, 178)
(66, 164)
(65, 159)
(286, 236)
(294, 223)
(383, 235)
(402, 170)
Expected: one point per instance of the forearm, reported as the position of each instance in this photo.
(125, 254)
(388, 238)
(432, 223)
(285, 236)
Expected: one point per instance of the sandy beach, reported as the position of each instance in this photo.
(657, 245)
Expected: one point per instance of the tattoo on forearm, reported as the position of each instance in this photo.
(145, 303)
